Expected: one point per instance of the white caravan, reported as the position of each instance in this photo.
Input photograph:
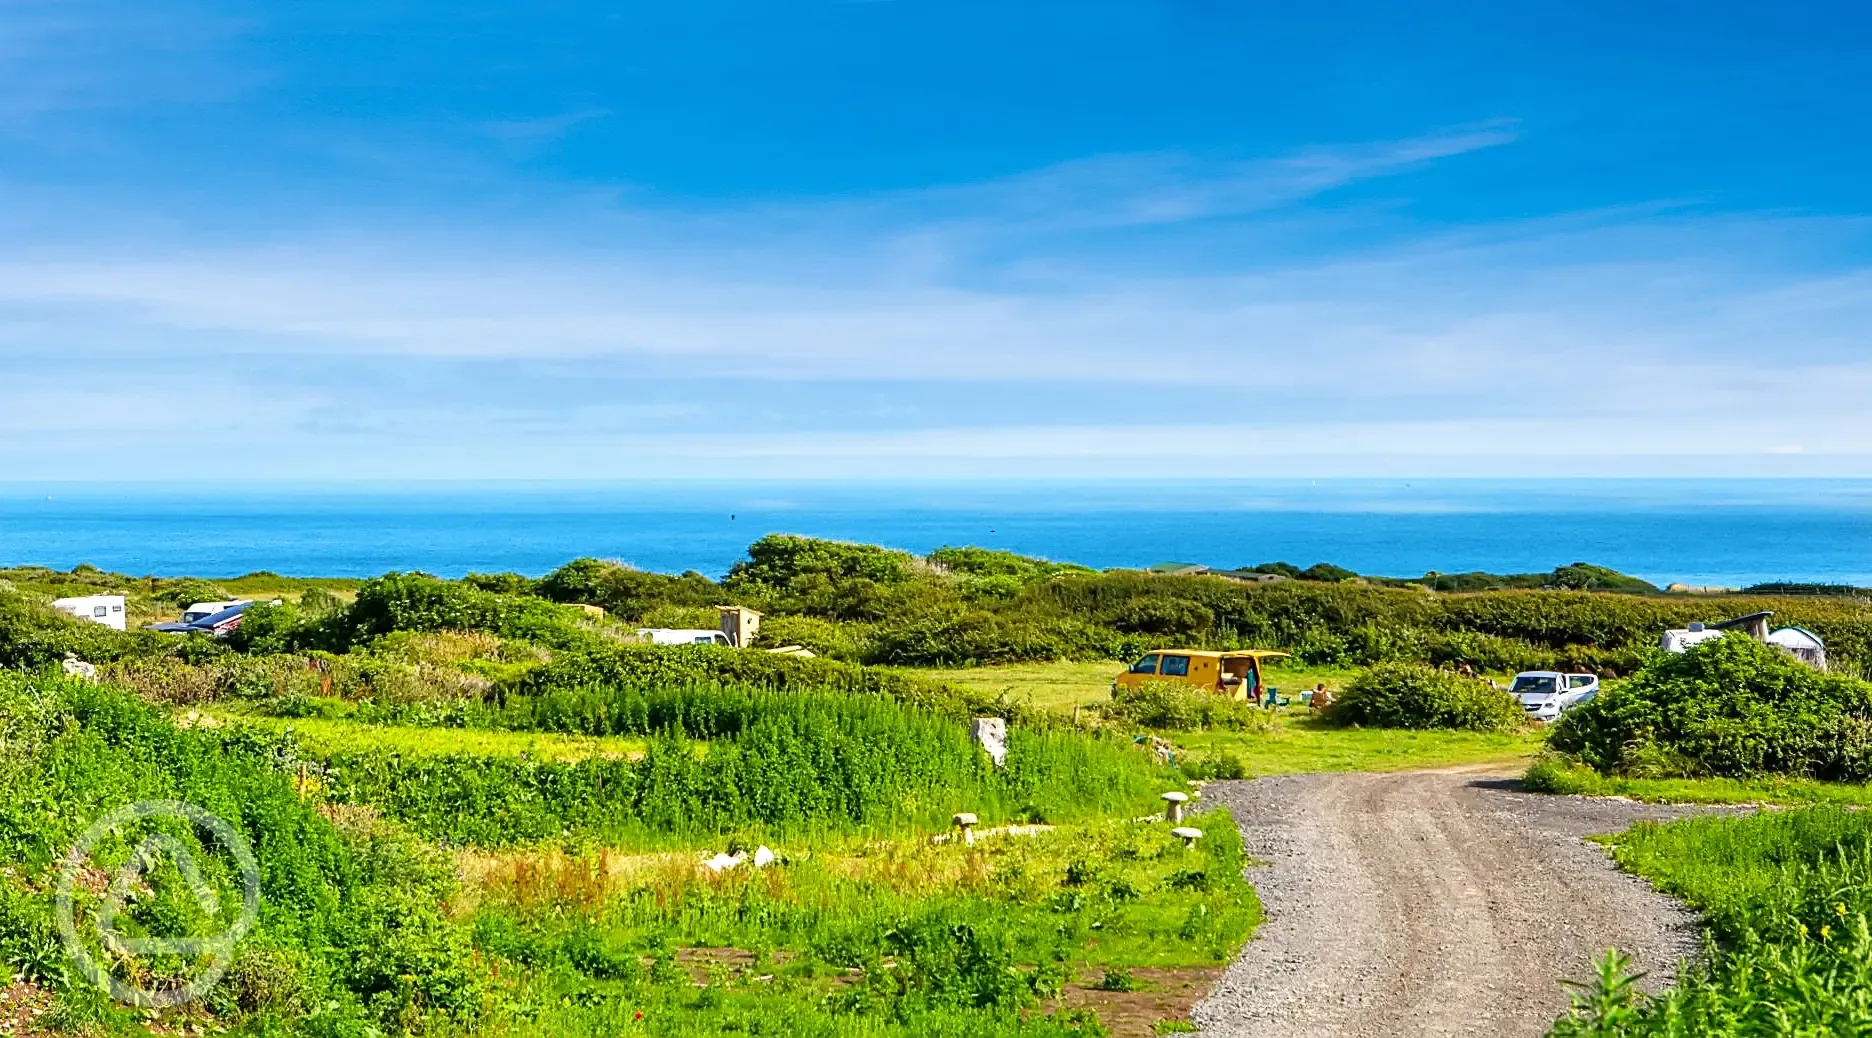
(99, 609)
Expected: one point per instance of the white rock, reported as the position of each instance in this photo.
(724, 862)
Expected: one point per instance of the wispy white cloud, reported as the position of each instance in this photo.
(61, 57)
(1138, 190)
(1620, 335)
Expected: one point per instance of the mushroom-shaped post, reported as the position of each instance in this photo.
(966, 822)
(1173, 806)
(1188, 835)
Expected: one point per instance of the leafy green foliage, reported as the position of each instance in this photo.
(625, 592)
(34, 635)
(501, 583)
(624, 666)
(1176, 706)
(827, 638)
(1412, 695)
(787, 562)
(417, 602)
(1787, 895)
(1730, 707)
(777, 762)
(189, 590)
(970, 606)
(363, 905)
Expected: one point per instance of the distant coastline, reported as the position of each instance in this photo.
(1702, 532)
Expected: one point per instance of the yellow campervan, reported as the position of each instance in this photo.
(1234, 674)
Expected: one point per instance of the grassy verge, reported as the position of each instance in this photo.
(1552, 775)
(1786, 894)
(1300, 743)
(326, 736)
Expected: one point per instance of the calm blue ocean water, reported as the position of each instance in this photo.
(1730, 532)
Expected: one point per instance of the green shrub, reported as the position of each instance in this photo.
(1178, 707)
(1413, 695)
(636, 666)
(501, 583)
(625, 592)
(365, 904)
(984, 563)
(849, 642)
(1731, 707)
(417, 602)
(33, 635)
(779, 561)
(188, 591)
(962, 637)
(1559, 774)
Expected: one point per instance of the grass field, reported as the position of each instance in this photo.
(322, 735)
(1063, 686)
(1297, 743)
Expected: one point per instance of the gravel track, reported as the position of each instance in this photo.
(1431, 903)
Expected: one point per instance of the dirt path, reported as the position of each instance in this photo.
(1430, 904)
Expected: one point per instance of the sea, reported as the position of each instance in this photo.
(1705, 532)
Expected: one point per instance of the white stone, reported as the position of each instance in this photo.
(990, 733)
(724, 862)
(763, 857)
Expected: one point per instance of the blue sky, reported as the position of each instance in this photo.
(902, 238)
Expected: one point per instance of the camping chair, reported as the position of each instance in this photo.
(1274, 699)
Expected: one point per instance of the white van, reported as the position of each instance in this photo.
(681, 636)
(1546, 694)
(204, 610)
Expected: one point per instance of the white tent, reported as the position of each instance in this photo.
(1803, 643)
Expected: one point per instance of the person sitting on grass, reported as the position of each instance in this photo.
(1322, 696)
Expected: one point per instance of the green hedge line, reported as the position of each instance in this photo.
(778, 762)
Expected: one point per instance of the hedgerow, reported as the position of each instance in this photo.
(637, 666)
(964, 606)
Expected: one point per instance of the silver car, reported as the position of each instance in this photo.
(1546, 694)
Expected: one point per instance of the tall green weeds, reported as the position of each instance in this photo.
(1788, 896)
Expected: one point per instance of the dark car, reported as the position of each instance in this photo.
(216, 625)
